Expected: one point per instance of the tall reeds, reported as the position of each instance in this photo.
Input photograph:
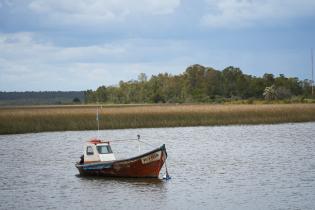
(60, 118)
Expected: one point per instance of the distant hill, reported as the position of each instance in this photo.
(41, 98)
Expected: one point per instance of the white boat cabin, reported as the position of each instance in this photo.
(96, 150)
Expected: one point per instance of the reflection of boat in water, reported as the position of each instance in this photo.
(98, 159)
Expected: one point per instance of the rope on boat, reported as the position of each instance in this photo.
(123, 140)
(166, 176)
(139, 146)
(146, 143)
(137, 139)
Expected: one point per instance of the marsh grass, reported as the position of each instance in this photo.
(60, 118)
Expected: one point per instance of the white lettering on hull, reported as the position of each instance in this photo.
(151, 158)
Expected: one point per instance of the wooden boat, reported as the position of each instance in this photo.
(98, 159)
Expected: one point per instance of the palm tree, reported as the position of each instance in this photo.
(270, 93)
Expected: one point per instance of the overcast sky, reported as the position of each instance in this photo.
(82, 44)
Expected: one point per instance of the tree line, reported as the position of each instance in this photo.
(41, 97)
(200, 84)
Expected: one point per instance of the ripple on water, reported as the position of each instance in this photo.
(223, 167)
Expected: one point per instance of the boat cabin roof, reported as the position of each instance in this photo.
(98, 141)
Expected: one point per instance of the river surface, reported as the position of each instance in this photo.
(224, 167)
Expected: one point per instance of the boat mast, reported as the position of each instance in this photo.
(98, 124)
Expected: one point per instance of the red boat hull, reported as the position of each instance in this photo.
(145, 165)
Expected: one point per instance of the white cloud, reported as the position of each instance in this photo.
(29, 64)
(26, 63)
(242, 13)
(99, 11)
(25, 47)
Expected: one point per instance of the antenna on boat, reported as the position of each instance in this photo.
(98, 123)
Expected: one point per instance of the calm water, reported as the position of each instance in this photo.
(228, 167)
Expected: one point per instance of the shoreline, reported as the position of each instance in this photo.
(18, 120)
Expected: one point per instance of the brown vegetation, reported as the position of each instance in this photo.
(60, 118)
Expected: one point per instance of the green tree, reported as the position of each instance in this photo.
(76, 100)
(142, 77)
(199, 84)
(283, 93)
(101, 94)
(89, 96)
(269, 79)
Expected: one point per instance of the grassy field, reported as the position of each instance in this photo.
(60, 118)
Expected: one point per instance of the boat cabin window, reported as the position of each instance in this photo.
(89, 150)
(104, 149)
